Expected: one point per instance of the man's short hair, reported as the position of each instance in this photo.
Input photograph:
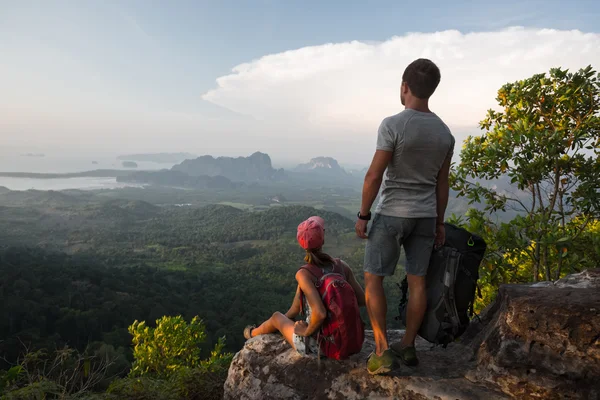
(422, 77)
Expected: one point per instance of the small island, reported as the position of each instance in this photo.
(129, 164)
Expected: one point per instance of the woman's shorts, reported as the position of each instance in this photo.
(306, 345)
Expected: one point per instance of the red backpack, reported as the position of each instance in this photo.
(343, 331)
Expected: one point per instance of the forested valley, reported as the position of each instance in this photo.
(78, 273)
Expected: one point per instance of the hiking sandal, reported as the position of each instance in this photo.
(248, 331)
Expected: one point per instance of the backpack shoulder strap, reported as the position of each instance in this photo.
(338, 267)
(452, 265)
(318, 274)
(315, 271)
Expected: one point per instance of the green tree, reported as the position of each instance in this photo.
(172, 345)
(546, 140)
(168, 364)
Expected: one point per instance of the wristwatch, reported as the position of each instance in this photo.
(365, 217)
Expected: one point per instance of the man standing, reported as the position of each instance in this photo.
(416, 148)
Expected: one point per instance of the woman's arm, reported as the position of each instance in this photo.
(317, 309)
(295, 308)
(358, 290)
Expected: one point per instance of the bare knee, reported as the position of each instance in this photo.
(372, 280)
(276, 317)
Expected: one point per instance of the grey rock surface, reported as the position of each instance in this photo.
(532, 343)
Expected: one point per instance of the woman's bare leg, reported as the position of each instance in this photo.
(277, 322)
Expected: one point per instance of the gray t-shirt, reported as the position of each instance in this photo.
(421, 142)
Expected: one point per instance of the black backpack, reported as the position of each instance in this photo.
(451, 285)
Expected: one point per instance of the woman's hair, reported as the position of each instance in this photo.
(317, 258)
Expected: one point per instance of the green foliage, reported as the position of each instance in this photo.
(173, 344)
(202, 383)
(546, 141)
(10, 377)
(168, 365)
(177, 373)
(40, 390)
(62, 374)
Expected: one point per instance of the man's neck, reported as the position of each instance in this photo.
(418, 105)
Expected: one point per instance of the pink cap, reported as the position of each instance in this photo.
(311, 233)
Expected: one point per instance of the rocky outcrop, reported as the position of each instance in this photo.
(322, 164)
(533, 342)
(542, 340)
(267, 368)
(256, 167)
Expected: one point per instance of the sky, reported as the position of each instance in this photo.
(294, 79)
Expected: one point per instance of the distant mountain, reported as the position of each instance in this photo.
(323, 171)
(257, 167)
(172, 178)
(157, 157)
(323, 165)
(4, 189)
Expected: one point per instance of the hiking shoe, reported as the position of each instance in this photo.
(408, 354)
(248, 331)
(381, 364)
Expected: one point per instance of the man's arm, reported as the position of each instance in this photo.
(371, 186)
(442, 190)
(373, 179)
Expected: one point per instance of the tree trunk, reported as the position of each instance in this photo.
(561, 209)
(559, 266)
(536, 261)
(545, 263)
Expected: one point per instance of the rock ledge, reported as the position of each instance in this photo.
(533, 342)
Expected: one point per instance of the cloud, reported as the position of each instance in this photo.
(345, 89)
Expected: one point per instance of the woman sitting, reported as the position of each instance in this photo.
(303, 336)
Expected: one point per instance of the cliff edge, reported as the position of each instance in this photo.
(534, 341)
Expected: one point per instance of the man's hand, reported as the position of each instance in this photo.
(440, 235)
(361, 228)
(300, 328)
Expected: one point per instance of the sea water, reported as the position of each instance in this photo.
(49, 163)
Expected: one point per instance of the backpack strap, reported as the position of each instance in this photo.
(317, 273)
(452, 263)
(338, 267)
(314, 270)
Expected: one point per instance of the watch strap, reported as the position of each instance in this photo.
(364, 217)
